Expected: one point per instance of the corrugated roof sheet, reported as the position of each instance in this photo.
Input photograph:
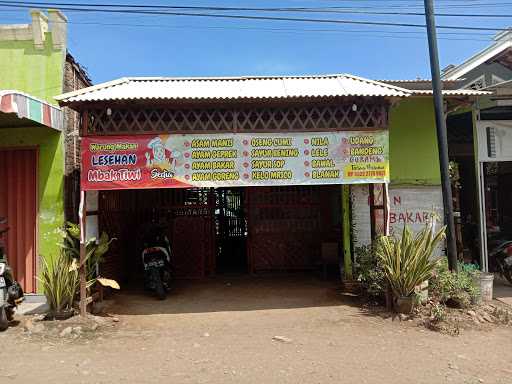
(424, 88)
(227, 88)
(422, 85)
(414, 81)
(451, 92)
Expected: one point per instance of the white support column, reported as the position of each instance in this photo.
(91, 223)
(484, 256)
(82, 214)
(480, 182)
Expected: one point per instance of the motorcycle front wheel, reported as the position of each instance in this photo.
(4, 323)
(508, 274)
(10, 314)
(159, 284)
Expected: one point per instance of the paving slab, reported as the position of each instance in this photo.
(29, 308)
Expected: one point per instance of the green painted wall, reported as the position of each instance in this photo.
(413, 143)
(38, 73)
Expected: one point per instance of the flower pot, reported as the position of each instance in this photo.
(62, 315)
(422, 292)
(484, 282)
(404, 304)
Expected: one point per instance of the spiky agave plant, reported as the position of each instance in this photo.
(408, 260)
(59, 281)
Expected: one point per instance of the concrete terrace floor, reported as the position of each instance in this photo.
(502, 290)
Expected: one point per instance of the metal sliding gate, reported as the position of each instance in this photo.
(188, 214)
(231, 229)
(287, 225)
(248, 229)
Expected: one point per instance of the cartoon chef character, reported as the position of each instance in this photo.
(158, 159)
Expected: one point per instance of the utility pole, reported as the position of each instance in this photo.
(442, 137)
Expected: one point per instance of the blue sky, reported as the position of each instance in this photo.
(190, 46)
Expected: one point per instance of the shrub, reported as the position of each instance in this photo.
(95, 249)
(454, 288)
(408, 261)
(59, 281)
(473, 269)
(437, 312)
(94, 253)
(369, 271)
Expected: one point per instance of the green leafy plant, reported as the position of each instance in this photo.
(369, 271)
(94, 252)
(437, 312)
(453, 169)
(473, 269)
(457, 289)
(407, 261)
(59, 281)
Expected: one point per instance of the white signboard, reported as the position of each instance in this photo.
(408, 205)
(413, 206)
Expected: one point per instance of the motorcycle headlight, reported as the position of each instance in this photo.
(3, 266)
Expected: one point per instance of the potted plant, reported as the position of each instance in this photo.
(408, 262)
(59, 281)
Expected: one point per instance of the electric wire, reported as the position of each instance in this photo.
(271, 18)
(328, 10)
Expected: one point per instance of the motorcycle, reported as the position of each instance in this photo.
(11, 293)
(500, 257)
(156, 259)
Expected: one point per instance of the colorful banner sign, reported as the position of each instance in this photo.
(224, 160)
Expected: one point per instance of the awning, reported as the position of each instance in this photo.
(22, 109)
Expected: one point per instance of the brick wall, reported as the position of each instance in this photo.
(75, 77)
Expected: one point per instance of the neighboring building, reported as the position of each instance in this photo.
(34, 67)
(415, 185)
(483, 182)
(488, 67)
(75, 77)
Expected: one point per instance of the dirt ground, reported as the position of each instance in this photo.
(255, 330)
